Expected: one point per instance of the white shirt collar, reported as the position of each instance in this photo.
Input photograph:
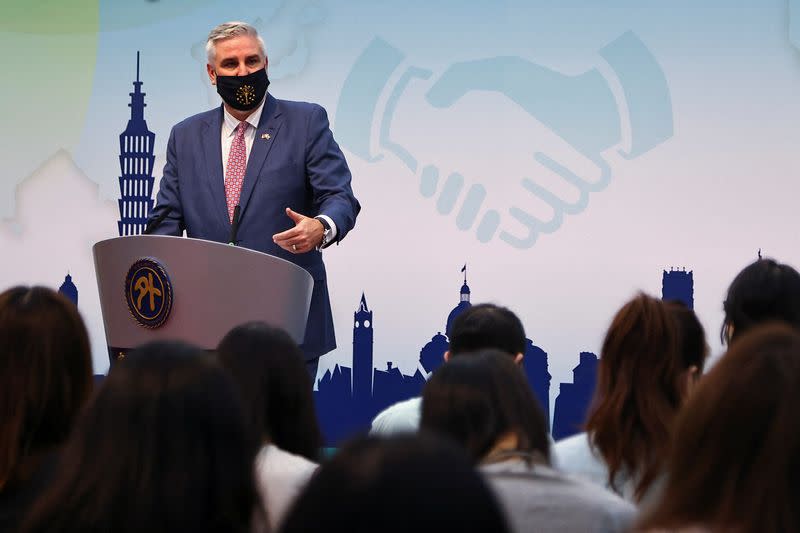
(230, 122)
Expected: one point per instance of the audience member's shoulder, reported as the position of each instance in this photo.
(272, 460)
(555, 500)
(575, 454)
(402, 417)
(578, 443)
(589, 492)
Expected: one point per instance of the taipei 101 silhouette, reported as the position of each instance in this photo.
(136, 158)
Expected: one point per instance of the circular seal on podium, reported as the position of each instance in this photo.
(148, 292)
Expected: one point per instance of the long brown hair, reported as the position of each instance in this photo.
(645, 355)
(271, 375)
(163, 447)
(735, 463)
(45, 376)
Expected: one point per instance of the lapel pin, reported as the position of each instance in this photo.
(266, 136)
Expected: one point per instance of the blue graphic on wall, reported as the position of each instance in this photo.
(574, 398)
(348, 399)
(678, 285)
(69, 289)
(581, 110)
(136, 158)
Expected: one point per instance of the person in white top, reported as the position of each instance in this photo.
(484, 403)
(652, 354)
(482, 326)
(268, 367)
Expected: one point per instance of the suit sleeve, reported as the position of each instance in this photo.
(329, 175)
(169, 195)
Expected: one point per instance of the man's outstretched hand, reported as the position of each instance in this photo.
(305, 236)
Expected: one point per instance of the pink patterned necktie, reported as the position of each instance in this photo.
(237, 164)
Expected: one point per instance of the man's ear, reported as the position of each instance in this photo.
(446, 356)
(518, 358)
(211, 74)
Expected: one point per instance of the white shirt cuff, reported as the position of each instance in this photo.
(332, 236)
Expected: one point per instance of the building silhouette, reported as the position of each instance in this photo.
(136, 158)
(462, 306)
(572, 403)
(431, 356)
(392, 386)
(347, 400)
(678, 285)
(536, 369)
(69, 289)
(362, 352)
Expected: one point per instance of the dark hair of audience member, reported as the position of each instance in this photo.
(646, 361)
(45, 377)
(396, 485)
(478, 400)
(271, 374)
(486, 326)
(164, 447)
(763, 291)
(734, 465)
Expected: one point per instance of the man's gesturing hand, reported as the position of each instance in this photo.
(305, 236)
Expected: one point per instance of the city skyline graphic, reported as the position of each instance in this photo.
(348, 398)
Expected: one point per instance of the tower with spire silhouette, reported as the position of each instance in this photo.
(462, 306)
(362, 352)
(136, 158)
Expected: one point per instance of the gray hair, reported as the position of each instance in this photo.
(227, 30)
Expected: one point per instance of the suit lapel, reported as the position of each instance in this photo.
(266, 132)
(213, 152)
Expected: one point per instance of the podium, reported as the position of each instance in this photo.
(156, 287)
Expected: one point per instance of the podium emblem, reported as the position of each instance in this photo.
(148, 292)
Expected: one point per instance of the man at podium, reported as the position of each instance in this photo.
(263, 173)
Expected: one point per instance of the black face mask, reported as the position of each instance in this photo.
(243, 92)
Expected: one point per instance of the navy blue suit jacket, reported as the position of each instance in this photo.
(299, 166)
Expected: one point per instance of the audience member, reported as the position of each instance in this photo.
(734, 463)
(764, 291)
(271, 374)
(652, 353)
(164, 447)
(485, 404)
(45, 379)
(480, 327)
(399, 484)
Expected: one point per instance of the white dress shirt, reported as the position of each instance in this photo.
(229, 125)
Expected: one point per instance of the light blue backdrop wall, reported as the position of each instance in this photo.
(581, 147)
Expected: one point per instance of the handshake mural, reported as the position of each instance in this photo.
(575, 119)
